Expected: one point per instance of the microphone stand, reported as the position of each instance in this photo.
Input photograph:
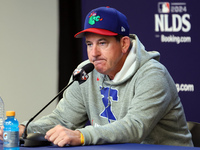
(37, 139)
(24, 135)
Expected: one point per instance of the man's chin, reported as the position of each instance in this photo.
(99, 69)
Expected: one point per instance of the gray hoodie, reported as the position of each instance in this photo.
(141, 105)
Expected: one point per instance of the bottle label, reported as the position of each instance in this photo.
(11, 139)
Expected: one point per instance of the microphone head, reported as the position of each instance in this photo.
(88, 67)
(80, 75)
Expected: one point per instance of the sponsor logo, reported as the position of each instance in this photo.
(172, 18)
(185, 87)
(5, 136)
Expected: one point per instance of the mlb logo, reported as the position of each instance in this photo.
(163, 7)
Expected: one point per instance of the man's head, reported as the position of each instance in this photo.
(106, 31)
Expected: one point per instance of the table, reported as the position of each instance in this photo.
(126, 146)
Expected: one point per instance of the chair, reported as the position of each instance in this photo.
(194, 128)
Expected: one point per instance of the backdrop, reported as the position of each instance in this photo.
(171, 28)
(28, 55)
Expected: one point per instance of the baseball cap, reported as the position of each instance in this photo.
(105, 21)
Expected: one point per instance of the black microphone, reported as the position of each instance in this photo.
(37, 139)
(81, 75)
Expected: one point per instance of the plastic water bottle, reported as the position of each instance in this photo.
(2, 115)
(11, 132)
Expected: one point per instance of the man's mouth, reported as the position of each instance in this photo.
(98, 61)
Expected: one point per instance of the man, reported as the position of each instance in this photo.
(129, 96)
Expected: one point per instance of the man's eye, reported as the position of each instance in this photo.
(102, 43)
(89, 44)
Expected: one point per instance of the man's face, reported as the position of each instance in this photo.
(105, 52)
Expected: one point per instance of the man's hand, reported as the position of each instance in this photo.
(1, 133)
(21, 130)
(62, 136)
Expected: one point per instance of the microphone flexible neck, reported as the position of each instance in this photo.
(24, 135)
(79, 75)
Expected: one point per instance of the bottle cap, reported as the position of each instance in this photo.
(10, 113)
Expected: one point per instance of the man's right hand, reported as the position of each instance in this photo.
(21, 130)
(1, 133)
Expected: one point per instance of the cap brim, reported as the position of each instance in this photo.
(96, 31)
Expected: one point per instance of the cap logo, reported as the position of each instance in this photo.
(123, 29)
(93, 18)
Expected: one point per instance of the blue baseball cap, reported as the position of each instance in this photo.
(105, 21)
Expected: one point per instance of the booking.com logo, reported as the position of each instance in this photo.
(185, 87)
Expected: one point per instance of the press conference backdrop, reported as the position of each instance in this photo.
(172, 28)
(29, 36)
(28, 55)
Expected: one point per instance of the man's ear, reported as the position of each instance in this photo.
(125, 43)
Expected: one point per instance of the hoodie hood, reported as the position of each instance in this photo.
(137, 57)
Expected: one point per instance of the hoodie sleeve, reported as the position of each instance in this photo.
(68, 113)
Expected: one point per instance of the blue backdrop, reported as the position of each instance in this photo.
(171, 28)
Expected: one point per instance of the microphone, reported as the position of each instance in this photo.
(37, 139)
(81, 75)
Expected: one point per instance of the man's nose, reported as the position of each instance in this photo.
(95, 51)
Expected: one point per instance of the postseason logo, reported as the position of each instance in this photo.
(172, 18)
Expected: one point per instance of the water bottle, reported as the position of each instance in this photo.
(2, 115)
(11, 132)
